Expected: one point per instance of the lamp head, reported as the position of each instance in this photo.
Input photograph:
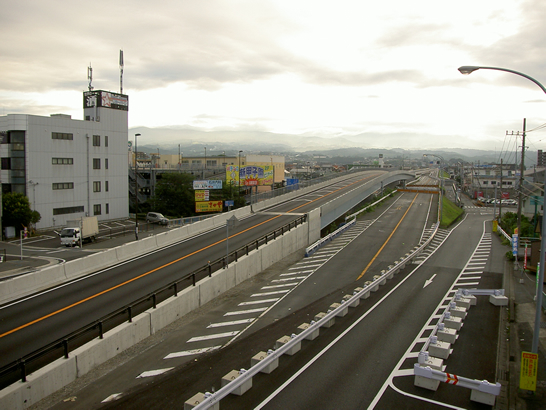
(467, 69)
(137, 135)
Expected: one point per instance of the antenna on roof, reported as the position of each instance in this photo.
(121, 71)
(90, 76)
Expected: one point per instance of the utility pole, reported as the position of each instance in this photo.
(500, 200)
(520, 187)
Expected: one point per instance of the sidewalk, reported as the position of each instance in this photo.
(519, 330)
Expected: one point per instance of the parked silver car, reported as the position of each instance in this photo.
(156, 217)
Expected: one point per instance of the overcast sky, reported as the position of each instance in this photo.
(313, 67)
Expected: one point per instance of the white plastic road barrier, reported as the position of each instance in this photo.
(487, 391)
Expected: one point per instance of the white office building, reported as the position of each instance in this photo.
(69, 168)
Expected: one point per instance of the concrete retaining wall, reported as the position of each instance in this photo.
(63, 371)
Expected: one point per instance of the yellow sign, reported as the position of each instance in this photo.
(528, 373)
(201, 195)
(250, 175)
(208, 206)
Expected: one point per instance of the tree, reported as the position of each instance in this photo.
(174, 195)
(16, 211)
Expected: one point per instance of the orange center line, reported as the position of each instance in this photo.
(388, 239)
(164, 266)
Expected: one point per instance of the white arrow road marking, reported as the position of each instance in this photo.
(429, 281)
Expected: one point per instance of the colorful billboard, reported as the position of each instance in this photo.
(105, 99)
(211, 184)
(201, 195)
(209, 206)
(250, 175)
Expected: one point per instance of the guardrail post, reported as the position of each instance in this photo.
(193, 279)
(101, 331)
(210, 269)
(154, 299)
(23, 371)
(130, 313)
(175, 289)
(65, 347)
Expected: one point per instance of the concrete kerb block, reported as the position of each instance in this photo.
(365, 295)
(374, 287)
(284, 340)
(197, 399)
(258, 357)
(313, 335)
(499, 300)
(232, 375)
(463, 302)
(346, 298)
(482, 397)
(328, 323)
(40, 384)
(426, 383)
(457, 311)
(446, 334)
(382, 277)
(342, 312)
(452, 322)
(437, 348)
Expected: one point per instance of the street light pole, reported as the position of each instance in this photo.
(540, 287)
(136, 187)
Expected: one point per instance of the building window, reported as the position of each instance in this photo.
(106, 140)
(96, 186)
(106, 187)
(106, 163)
(68, 210)
(6, 163)
(96, 163)
(96, 140)
(63, 185)
(62, 136)
(96, 209)
(107, 209)
(62, 161)
(485, 182)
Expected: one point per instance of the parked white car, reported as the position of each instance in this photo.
(156, 217)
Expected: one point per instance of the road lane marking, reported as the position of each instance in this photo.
(214, 336)
(244, 312)
(255, 302)
(191, 352)
(152, 373)
(232, 323)
(388, 239)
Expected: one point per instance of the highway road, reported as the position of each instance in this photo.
(254, 315)
(30, 323)
(365, 359)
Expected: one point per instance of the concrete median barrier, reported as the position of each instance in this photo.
(174, 308)
(25, 285)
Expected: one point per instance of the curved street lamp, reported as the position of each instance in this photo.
(468, 70)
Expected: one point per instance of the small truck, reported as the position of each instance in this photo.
(80, 230)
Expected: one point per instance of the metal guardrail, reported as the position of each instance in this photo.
(212, 399)
(321, 242)
(19, 369)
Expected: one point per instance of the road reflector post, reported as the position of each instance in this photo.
(232, 375)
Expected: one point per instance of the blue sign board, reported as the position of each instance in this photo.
(292, 181)
(229, 203)
(515, 244)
